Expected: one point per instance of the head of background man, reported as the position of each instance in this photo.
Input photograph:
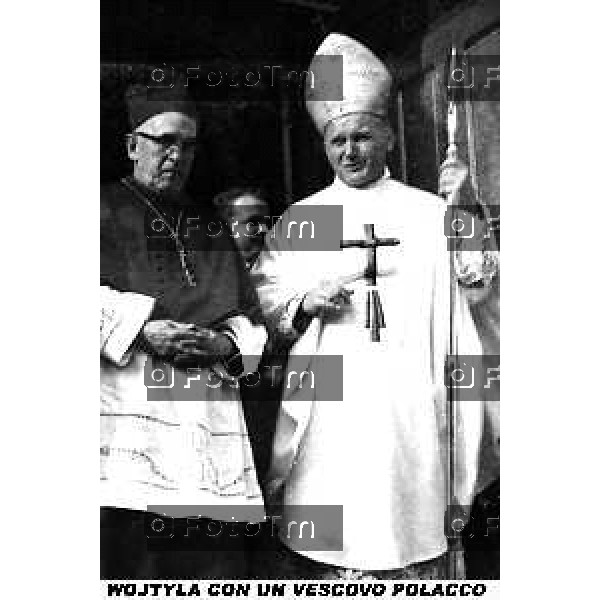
(162, 142)
(246, 212)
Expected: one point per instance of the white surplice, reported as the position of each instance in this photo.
(381, 452)
(183, 444)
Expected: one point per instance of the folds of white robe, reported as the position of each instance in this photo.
(381, 452)
(185, 446)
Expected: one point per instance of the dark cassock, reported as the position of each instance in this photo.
(174, 441)
(380, 452)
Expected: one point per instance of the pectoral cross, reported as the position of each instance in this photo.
(374, 319)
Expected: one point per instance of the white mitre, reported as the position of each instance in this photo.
(365, 86)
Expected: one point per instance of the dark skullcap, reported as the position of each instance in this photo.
(144, 102)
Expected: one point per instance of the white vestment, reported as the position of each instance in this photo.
(183, 442)
(381, 452)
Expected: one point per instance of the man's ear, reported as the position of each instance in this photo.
(131, 146)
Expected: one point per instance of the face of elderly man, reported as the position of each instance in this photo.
(356, 146)
(162, 149)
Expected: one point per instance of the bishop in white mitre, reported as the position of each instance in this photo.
(380, 453)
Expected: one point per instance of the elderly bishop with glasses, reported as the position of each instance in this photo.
(179, 325)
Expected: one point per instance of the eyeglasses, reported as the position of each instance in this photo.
(168, 140)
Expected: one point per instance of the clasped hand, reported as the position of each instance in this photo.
(185, 342)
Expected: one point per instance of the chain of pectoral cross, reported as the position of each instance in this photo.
(374, 311)
(173, 233)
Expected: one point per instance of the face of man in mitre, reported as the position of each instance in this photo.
(356, 146)
(162, 149)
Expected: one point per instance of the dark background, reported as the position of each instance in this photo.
(242, 137)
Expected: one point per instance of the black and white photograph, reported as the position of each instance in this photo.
(299, 298)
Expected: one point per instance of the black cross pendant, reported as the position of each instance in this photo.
(374, 318)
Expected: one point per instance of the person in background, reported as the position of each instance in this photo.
(247, 213)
